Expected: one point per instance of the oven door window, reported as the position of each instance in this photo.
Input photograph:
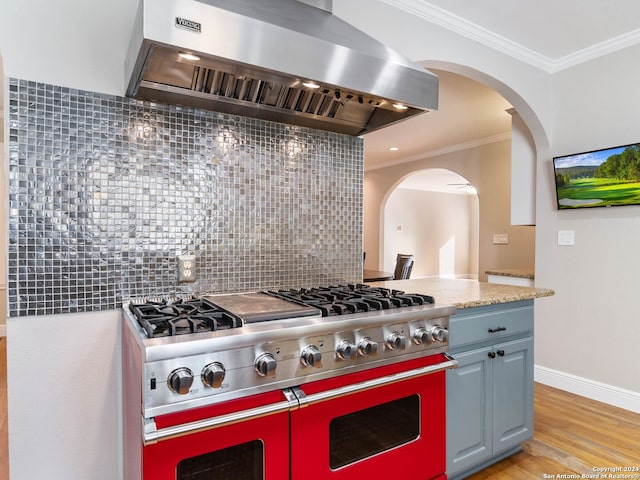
(370, 432)
(239, 461)
(367, 432)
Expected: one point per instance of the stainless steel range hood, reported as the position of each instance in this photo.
(289, 61)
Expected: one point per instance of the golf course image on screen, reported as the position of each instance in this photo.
(600, 178)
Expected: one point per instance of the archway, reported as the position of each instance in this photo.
(530, 118)
(433, 214)
(381, 181)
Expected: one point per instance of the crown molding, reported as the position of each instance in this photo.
(442, 151)
(438, 16)
(598, 50)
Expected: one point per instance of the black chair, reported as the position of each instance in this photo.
(404, 265)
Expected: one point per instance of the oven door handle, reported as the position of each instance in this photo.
(296, 398)
(306, 400)
(151, 434)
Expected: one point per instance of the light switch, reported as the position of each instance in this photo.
(566, 237)
(500, 238)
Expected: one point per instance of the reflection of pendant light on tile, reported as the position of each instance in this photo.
(394, 149)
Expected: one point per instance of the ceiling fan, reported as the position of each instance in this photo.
(470, 189)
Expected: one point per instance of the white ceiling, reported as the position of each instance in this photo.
(468, 112)
(549, 34)
(553, 29)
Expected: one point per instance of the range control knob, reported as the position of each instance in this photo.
(311, 357)
(266, 365)
(440, 334)
(422, 336)
(367, 347)
(346, 350)
(180, 380)
(396, 341)
(213, 375)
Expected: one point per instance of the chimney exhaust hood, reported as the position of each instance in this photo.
(289, 61)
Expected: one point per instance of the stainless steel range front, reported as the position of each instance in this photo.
(195, 365)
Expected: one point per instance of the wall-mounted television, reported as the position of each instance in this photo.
(607, 177)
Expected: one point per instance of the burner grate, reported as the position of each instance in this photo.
(163, 318)
(352, 298)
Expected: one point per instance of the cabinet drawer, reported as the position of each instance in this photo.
(489, 324)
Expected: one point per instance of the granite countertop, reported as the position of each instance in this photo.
(513, 272)
(465, 293)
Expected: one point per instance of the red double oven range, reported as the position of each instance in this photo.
(333, 383)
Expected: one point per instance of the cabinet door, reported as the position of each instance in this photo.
(512, 394)
(469, 416)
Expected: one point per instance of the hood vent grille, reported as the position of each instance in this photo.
(219, 81)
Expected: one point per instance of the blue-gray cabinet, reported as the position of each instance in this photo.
(490, 394)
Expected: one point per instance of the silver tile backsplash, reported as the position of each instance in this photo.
(105, 192)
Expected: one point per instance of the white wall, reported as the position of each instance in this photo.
(3, 212)
(523, 173)
(64, 371)
(65, 394)
(77, 44)
(591, 328)
(437, 229)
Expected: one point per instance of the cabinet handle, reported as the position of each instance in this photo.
(492, 354)
(501, 353)
(497, 329)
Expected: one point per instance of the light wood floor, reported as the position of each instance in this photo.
(572, 436)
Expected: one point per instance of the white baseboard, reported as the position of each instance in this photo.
(3, 330)
(619, 397)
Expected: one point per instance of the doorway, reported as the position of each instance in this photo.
(470, 134)
(433, 214)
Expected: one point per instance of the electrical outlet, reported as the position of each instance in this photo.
(186, 268)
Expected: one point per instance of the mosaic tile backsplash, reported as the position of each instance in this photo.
(105, 192)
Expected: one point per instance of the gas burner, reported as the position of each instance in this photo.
(283, 341)
(352, 298)
(163, 317)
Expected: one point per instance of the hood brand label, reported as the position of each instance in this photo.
(188, 25)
